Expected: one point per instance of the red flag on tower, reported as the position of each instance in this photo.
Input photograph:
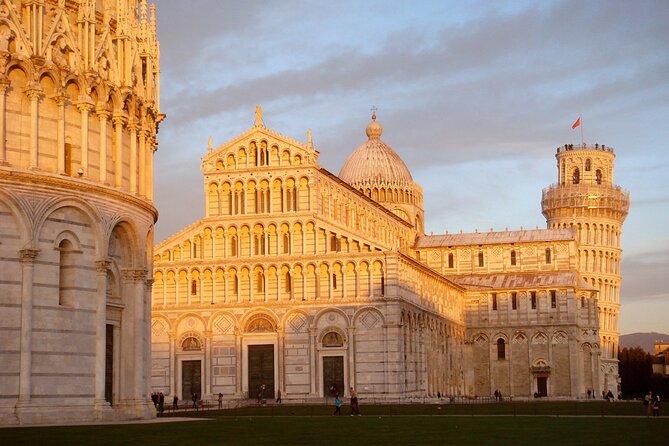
(577, 123)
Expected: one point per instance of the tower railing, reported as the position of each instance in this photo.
(584, 146)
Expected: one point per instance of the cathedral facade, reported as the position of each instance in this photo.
(309, 283)
(79, 112)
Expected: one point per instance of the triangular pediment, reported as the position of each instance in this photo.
(268, 147)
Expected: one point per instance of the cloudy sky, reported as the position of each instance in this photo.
(474, 96)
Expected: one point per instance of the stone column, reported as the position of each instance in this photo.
(101, 267)
(27, 271)
(238, 362)
(313, 373)
(207, 362)
(173, 364)
(118, 121)
(351, 356)
(4, 84)
(281, 385)
(60, 134)
(149, 169)
(84, 106)
(132, 176)
(143, 133)
(135, 284)
(103, 116)
(34, 93)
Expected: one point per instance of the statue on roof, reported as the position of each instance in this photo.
(259, 122)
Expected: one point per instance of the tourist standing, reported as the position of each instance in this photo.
(194, 398)
(337, 410)
(354, 403)
(220, 400)
(175, 402)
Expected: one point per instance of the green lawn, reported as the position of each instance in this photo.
(318, 427)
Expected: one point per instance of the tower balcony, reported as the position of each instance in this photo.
(591, 199)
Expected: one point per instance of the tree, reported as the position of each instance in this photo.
(636, 370)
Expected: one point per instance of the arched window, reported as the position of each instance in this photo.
(334, 243)
(193, 287)
(480, 258)
(533, 297)
(553, 299)
(501, 349)
(598, 176)
(260, 282)
(334, 281)
(233, 246)
(587, 165)
(514, 300)
(66, 270)
(286, 243)
(286, 281)
(548, 255)
(494, 301)
(576, 177)
(513, 257)
(450, 260)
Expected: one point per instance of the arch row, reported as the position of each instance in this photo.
(101, 132)
(350, 209)
(270, 282)
(262, 195)
(258, 153)
(273, 238)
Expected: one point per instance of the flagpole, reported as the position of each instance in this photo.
(581, 118)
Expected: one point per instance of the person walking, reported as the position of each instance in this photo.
(194, 398)
(161, 402)
(337, 410)
(656, 405)
(220, 400)
(354, 402)
(175, 402)
(278, 396)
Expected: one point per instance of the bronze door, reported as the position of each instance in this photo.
(191, 380)
(261, 371)
(109, 363)
(542, 386)
(333, 376)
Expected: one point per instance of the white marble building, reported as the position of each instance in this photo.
(78, 118)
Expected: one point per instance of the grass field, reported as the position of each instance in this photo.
(252, 426)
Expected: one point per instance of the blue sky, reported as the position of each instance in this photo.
(474, 96)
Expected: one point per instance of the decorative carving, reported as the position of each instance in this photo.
(28, 255)
(101, 266)
(370, 320)
(224, 325)
(133, 275)
(260, 323)
(297, 323)
(333, 338)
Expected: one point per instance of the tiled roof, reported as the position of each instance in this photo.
(523, 280)
(492, 238)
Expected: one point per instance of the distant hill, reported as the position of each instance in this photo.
(644, 340)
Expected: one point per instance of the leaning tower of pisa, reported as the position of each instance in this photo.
(79, 113)
(585, 198)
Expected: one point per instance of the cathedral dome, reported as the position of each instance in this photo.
(374, 162)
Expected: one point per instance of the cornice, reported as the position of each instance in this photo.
(52, 181)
